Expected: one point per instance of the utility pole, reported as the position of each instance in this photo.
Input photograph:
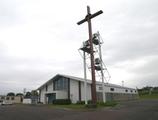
(102, 72)
(88, 18)
(85, 77)
(122, 83)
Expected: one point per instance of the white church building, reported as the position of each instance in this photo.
(69, 87)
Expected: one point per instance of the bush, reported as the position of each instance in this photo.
(91, 106)
(101, 103)
(110, 103)
(62, 101)
(144, 93)
(154, 92)
(89, 102)
(80, 102)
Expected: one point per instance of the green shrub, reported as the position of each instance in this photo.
(80, 102)
(154, 92)
(144, 93)
(101, 103)
(62, 101)
(110, 103)
(89, 102)
(91, 106)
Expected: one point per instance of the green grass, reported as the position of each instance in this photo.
(152, 96)
(69, 107)
(83, 107)
(109, 104)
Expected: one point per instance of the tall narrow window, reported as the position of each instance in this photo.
(46, 87)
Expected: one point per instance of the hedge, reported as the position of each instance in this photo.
(80, 102)
(62, 101)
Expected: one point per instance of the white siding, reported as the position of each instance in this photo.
(44, 92)
(116, 89)
(27, 101)
(83, 91)
(74, 91)
(59, 94)
(50, 87)
(42, 95)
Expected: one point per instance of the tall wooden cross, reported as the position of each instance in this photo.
(88, 18)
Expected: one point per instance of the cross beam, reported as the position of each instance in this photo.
(91, 16)
(88, 18)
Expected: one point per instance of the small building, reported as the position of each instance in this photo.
(69, 87)
(30, 100)
(11, 99)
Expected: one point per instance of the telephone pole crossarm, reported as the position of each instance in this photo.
(90, 17)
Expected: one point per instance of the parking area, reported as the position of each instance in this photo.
(132, 110)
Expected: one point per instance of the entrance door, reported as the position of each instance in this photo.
(51, 97)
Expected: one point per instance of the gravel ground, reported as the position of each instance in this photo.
(132, 110)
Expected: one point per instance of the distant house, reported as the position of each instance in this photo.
(69, 87)
(11, 99)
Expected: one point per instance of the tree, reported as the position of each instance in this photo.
(19, 94)
(28, 95)
(34, 93)
(11, 94)
(147, 88)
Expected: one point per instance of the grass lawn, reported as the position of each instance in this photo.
(83, 107)
(71, 106)
(152, 96)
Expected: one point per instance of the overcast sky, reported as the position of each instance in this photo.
(40, 38)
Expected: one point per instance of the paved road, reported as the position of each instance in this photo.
(133, 110)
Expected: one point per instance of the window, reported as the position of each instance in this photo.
(12, 98)
(61, 84)
(2, 97)
(46, 87)
(126, 90)
(131, 90)
(100, 88)
(7, 98)
(111, 89)
(65, 83)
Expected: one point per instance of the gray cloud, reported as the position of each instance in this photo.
(135, 33)
(48, 45)
(130, 37)
(7, 13)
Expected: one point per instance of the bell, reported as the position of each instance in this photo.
(86, 49)
(97, 67)
(97, 61)
(95, 40)
(86, 43)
